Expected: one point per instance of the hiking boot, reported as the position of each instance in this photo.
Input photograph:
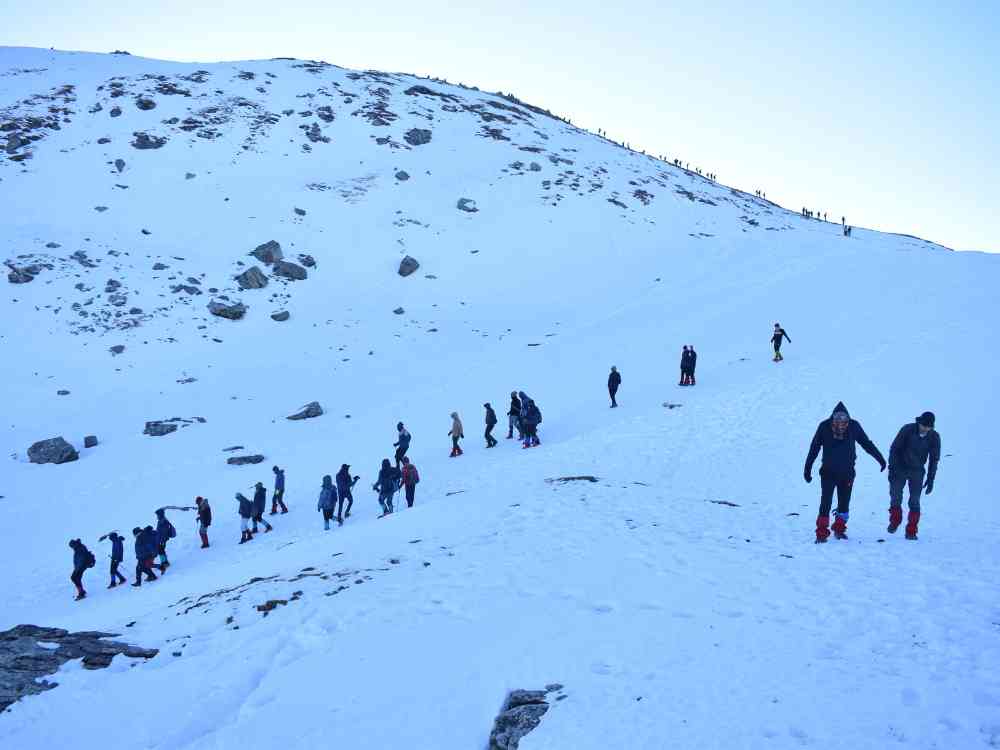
(912, 521)
(81, 595)
(840, 526)
(822, 529)
(895, 519)
(112, 585)
(137, 584)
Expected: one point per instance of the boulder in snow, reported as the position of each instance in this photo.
(417, 136)
(90, 441)
(117, 348)
(244, 460)
(310, 410)
(145, 141)
(159, 429)
(280, 316)
(234, 311)
(307, 260)
(402, 175)
(290, 270)
(522, 712)
(466, 204)
(145, 103)
(52, 451)
(119, 164)
(408, 265)
(268, 253)
(252, 278)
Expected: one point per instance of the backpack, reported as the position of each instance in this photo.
(171, 531)
(536, 413)
(91, 561)
(412, 474)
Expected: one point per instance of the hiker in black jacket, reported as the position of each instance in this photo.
(914, 445)
(692, 363)
(491, 422)
(684, 365)
(614, 382)
(259, 505)
(204, 519)
(514, 417)
(117, 555)
(145, 551)
(779, 334)
(402, 444)
(344, 485)
(83, 558)
(836, 437)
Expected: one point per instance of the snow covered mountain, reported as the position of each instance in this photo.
(678, 599)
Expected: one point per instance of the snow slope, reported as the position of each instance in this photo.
(672, 620)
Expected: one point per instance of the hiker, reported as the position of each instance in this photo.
(165, 531)
(117, 555)
(779, 334)
(614, 381)
(456, 433)
(837, 436)
(531, 417)
(246, 514)
(402, 444)
(914, 445)
(692, 363)
(204, 519)
(684, 365)
(514, 417)
(491, 422)
(145, 551)
(410, 479)
(344, 486)
(83, 558)
(259, 504)
(386, 485)
(278, 498)
(327, 501)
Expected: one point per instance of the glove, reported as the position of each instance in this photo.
(881, 464)
(929, 486)
(807, 476)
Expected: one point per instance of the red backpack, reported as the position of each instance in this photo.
(410, 474)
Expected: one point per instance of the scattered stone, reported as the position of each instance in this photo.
(466, 204)
(146, 141)
(119, 164)
(300, 211)
(103, 141)
(160, 267)
(146, 232)
(232, 312)
(24, 663)
(252, 278)
(408, 265)
(243, 460)
(669, 405)
(189, 175)
(399, 311)
(521, 713)
(563, 480)
(52, 451)
(232, 448)
(52, 245)
(187, 288)
(90, 441)
(19, 275)
(159, 429)
(117, 348)
(290, 270)
(310, 410)
(145, 103)
(281, 316)
(307, 260)
(115, 111)
(417, 137)
(100, 209)
(62, 393)
(402, 175)
(268, 253)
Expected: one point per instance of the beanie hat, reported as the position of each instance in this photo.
(926, 419)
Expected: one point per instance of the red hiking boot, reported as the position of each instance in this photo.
(895, 519)
(912, 521)
(822, 529)
(840, 526)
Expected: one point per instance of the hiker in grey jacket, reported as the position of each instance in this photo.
(327, 502)
(915, 445)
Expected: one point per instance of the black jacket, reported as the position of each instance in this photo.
(515, 406)
(205, 513)
(491, 416)
(404, 441)
(389, 478)
(776, 338)
(344, 482)
(614, 380)
(81, 555)
(117, 548)
(259, 500)
(910, 451)
(840, 454)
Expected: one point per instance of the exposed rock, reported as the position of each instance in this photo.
(117, 348)
(24, 664)
(188, 288)
(300, 211)
(521, 713)
(310, 410)
(280, 316)
(402, 175)
(62, 392)
(189, 175)
(159, 429)
(103, 141)
(466, 204)
(145, 103)
(19, 275)
(119, 164)
(234, 311)
(408, 265)
(268, 253)
(417, 136)
(307, 260)
(243, 460)
(52, 245)
(252, 278)
(146, 141)
(90, 441)
(115, 111)
(535, 167)
(290, 270)
(399, 311)
(160, 267)
(52, 451)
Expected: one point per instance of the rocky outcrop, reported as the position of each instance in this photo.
(310, 410)
(157, 428)
(243, 460)
(234, 311)
(52, 451)
(280, 316)
(290, 270)
(90, 441)
(522, 712)
(252, 278)
(268, 253)
(24, 663)
(402, 175)
(466, 204)
(145, 141)
(408, 265)
(417, 136)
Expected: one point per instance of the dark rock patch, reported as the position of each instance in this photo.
(466, 204)
(281, 316)
(234, 311)
(244, 460)
(90, 441)
(402, 175)
(290, 270)
(252, 278)
(268, 253)
(145, 141)
(408, 265)
(52, 451)
(310, 410)
(417, 136)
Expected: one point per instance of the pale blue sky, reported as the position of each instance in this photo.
(890, 116)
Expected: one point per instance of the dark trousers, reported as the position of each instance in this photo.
(613, 391)
(77, 578)
(327, 514)
(400, 452)
(116, 577)
(513, 422)
(144, 566)
(490, 440)
(898, 479)
(278, 499)
(259, 518)
(454, 443)
(340, 508)
(411, 491)
(385, 500)
(843, 484)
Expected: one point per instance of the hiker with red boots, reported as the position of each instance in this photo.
(914, 445)
(837, 438)
(204, 519)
